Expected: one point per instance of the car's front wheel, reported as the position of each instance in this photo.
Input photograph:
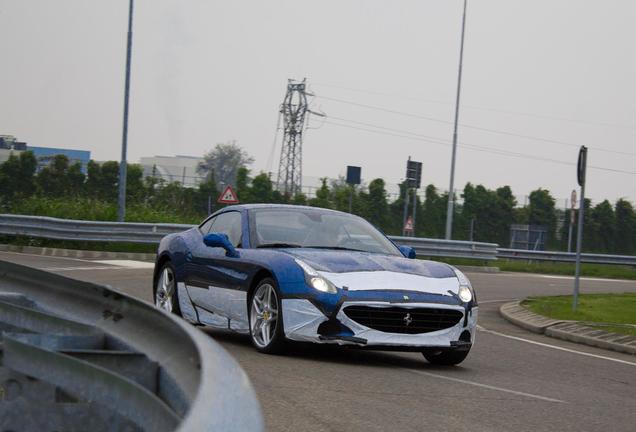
(446, 357)
(166, 290)
(266, 323)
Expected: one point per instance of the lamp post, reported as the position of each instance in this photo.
(449, 210)
(121, 202)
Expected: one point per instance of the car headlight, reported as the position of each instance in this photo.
(465, 294)
(314, 280)
(465, 289)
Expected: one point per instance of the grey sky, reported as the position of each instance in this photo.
(210, 71)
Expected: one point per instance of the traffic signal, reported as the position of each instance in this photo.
(413, 174)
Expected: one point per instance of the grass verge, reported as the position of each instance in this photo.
(610, 312)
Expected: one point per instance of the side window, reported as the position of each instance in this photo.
(228, 223)
(205, 227)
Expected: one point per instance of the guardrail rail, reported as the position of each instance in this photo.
(149, 233)
(80, 356)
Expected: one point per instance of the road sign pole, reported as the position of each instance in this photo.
(414, 209)
(406, 206)
(582, 166)
(571, 224)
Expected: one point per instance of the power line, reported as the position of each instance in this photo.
(480, 108)
(433, 119)
(438, 141)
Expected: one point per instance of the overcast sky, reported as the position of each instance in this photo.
(559, 71)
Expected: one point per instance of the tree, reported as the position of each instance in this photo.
(75, 179)
(376, 205)
(224, 162)
(322, 196)
(242, 185)
(506, 204)
(262, 190)
(135, 191)
(602, 222)
(206, 195)
(541, 211)
(53, 180)
(625, 233)
(434, 214)
(17, 179)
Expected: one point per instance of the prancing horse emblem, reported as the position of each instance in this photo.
(407, 319)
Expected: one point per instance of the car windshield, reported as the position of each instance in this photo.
(316, 228)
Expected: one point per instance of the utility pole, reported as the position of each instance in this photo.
(121, 203)
(449, 210)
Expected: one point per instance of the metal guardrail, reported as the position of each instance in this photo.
(565, 257)
(449, 248)
(65, 229)
(80, 356)
(68, 229)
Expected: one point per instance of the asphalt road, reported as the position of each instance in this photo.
(512, 379)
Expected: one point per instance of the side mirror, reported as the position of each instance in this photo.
(407, 251)
(221, 240)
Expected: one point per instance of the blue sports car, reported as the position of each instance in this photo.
(292, 273)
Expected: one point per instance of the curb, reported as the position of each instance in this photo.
(80, 254)
(567, 330)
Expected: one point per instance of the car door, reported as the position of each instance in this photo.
(218, 283)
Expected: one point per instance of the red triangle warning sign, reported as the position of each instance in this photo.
(228, 196)
(408, 226)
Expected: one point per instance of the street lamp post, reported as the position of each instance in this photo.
(121, 203)
(449, 210)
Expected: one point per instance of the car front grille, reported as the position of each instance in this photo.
(404, 320)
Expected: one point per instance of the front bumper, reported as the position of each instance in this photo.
(302, 322)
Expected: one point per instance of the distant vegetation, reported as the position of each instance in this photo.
(63, 190)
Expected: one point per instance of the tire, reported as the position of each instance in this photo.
(165, 291)
(446, 358)
(266, 318)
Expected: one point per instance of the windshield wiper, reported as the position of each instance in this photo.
(335, 248)
(279, 245)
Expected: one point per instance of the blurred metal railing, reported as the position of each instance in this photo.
(65, 229)
(80, 356)
(449, 248)
(520, 254)
(69, 229)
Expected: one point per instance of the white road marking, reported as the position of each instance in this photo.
(554, 346)
(128, 263)
(56, 269)
(486, 386)
(46, 256)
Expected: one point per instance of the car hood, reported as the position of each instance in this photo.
(336, 261)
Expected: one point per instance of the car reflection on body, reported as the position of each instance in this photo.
(282, 273)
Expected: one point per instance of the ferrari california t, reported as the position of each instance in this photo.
(282, 273)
